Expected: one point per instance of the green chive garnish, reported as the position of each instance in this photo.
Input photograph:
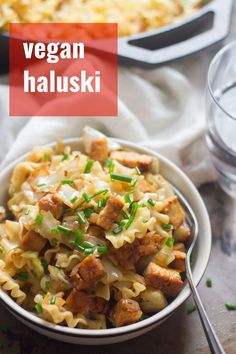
(120, 177)
(133, 182)
(78, 236)
(87, 244)
(54, 231)
(53, 300)
(169, 242)
(209, 283)
(123, 213)
(102, 249)
(88, 212)
(231, 307)
(151, 201)
(104, 191)
(74, 199)
(67, 181)
(88, 166)
(1, 249)
(110, 164)
(167, 226)
(64, 229)
(191, 309)
(127, 198)
(102, 203)
(138, 170)
(46, 157)
(89, 250)
(117, 230)
(38, 309)
(81, 218)
(46, 288)
(23, 276)
(54, 243)
(86, 197)
(41, 184)
(39, 218)
(64, 157)
(134, 208)
(44, 265)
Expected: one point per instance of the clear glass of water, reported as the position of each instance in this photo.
(221, 116)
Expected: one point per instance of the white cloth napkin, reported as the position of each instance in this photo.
(158, 108)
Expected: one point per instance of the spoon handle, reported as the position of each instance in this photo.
(213, 341)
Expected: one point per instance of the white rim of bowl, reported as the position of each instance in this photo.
(152, 320)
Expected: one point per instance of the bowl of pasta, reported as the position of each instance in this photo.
(93, 239)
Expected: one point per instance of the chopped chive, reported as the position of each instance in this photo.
(89, 250)
(231, 307)
(167, 226)
(169, 242)
(38, 309)
(81, 218)
(46, 287)
(123, 213)
(64, 229)
(27, 212)
(44, 265)
(67, 181)
(110, 164)
(138, 171)
(53, 300)
(64, 157)
(54, 231)
(39, 218)
(102, 203)
(209, 283)
(127, 198)
(46, 157)
(86, 197)
(191, 309)
(143, 317)
(151, 201)
(120, 177)
(74, 199)
(133, 182)
(117, 230)
(102, 249)
(1, 249)
(23, 276)
(79, 235)
(88, 166)
(88, 212)
(41, 184)
(104, 191)
(107, 162)
(134, 208)
(87, 244)
(54, 243)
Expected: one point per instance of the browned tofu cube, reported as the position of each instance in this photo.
(133, 159)
(175, 211)
(99, 305)
(125, 312)
(179, 261)
(109, 214)
(33, 241)
(50, 203)
(87, 272)
(99, 150)
(145, 187)
(150, 243)
(79, 302)
(167, 280)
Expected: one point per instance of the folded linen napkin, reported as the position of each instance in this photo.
(158, 109)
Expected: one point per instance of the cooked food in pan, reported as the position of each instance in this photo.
(133, 16)
(93, 238)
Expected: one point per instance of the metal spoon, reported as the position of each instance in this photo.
(213, 341)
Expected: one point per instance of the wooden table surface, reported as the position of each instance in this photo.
(180, 334)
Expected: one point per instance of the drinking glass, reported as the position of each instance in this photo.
(221, 116)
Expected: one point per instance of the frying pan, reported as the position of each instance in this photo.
(208, 26)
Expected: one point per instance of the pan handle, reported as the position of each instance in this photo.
(199, 32)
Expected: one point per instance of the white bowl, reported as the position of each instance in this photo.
(114, 335)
